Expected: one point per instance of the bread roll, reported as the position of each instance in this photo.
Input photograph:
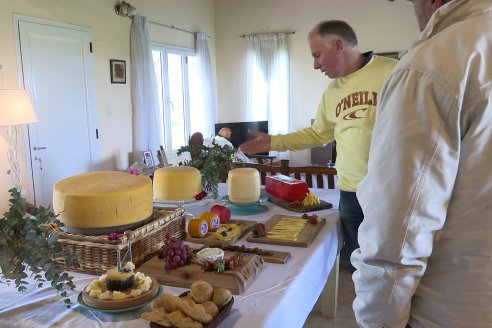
(201, 291)
(211, 308)
(221, 297)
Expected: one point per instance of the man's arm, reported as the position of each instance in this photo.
(260, 144)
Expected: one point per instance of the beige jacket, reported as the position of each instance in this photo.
(426, 241)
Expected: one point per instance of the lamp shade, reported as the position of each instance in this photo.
(16, 108)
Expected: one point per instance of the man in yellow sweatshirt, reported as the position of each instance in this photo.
(346, 113)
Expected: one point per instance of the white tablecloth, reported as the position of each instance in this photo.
(282, 295)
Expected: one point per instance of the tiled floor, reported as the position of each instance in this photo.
(345, 315)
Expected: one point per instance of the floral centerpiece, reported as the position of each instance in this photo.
(214, 163)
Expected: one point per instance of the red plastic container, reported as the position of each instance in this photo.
(286, 188)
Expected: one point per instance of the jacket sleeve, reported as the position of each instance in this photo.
(412, 169)
(319, 134)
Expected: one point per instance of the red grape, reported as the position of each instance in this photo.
(174, 253)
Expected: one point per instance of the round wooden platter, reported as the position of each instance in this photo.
(122, 304)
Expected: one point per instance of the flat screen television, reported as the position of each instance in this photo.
(239, 131)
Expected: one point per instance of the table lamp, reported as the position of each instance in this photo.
(15, 109)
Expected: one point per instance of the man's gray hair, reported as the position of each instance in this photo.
(336, 27)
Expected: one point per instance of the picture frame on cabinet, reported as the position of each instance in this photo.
(148, 158)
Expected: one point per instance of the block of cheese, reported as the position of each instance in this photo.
(213, 220)
(198, 227)
(177, 183)
(103, 199)
(243, 185)
(286, 188)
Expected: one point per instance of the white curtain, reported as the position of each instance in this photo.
(268, 81)
(203, 93)
(147, 118)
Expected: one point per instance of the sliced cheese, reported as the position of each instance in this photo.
(287, 229)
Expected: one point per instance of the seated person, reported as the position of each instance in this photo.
(225, 133)
(222, 139)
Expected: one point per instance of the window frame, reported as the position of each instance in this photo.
(184, 52)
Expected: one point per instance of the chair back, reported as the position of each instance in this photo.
(315, 173)
(267, 170)
(323, 175)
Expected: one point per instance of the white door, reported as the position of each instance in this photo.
(57, 71)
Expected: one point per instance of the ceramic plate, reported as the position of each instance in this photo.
(247, 209)
(80, 300)
(261, 201)
(167, 203)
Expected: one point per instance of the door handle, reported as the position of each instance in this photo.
(39, 148)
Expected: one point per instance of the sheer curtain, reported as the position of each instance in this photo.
(203, 93)
(268, 81)
(147, 118)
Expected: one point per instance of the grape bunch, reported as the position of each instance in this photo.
(174, 253)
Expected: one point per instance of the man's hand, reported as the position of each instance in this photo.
(260, 144)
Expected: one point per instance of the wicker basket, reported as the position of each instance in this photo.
(97, 254)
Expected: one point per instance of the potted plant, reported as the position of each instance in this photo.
(27, 247)
(214, 162)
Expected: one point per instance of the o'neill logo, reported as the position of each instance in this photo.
(354, 115)
(358, 98)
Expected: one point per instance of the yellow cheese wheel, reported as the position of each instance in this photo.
(243, 185)
(213, 220)
(177, 182)
(197, 228)
(103, 199)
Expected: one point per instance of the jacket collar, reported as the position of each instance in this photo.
(451, 13)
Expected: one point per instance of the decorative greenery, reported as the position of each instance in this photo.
(213, 162)
(26, 245)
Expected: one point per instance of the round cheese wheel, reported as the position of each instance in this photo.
(243, 185)
(197, 228)
(103, 199)
(213, 220)
(177, 183)
(210, 254)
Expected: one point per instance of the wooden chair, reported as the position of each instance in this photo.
(308, 173)
(266, 170)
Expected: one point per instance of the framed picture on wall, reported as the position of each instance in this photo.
(118, 70)
(148, 159)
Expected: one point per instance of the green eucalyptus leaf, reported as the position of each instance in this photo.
(27, 244)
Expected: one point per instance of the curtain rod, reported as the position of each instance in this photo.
(245, 35)
(172, 27)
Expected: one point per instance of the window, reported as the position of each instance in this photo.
(177, 79)
(268, 81)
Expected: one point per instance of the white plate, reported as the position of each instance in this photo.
(175, 202)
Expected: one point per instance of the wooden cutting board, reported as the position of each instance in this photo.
(269, 256)
(298, 207)
(304, 239)
(209, 238)
(236, 280)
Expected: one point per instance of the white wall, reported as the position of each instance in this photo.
(380, 25)
(111, 40)
(225, 21)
